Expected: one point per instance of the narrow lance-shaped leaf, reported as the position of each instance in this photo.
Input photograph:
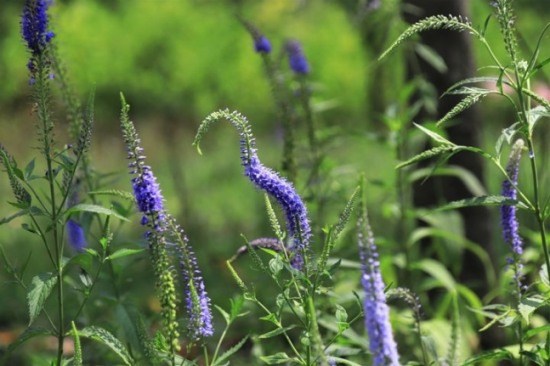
(434, 135)
(84, 207)
(230, 352)
(481, 201)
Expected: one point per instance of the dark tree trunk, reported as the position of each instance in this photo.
(455, 48)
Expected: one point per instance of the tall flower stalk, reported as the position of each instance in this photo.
(150, 203)
(377, 318)
(164, 234)
(269, 181)
(37, 36)
(263, 47)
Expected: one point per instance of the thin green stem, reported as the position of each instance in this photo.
(538, 213)
(43, 237)
(289, 341)
(44, 117)
(89, 293)
(220, 343)
(425, 357)
(205, 351)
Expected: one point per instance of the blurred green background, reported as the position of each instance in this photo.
(178, 60)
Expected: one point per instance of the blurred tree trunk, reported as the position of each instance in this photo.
(455, 49)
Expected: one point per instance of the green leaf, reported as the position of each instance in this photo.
(276, 332)
(114, 192)
(431, 57)
(7, 219)
(29, 333)
(276, 265)
(236, 306)
(84, 207)
(535, 114)
(39, 291)
(532, 332)
(29, 169)
(434, 135)
(224, 314)
(499, 354)
(230, 352)
(343, 361)
(124, 252)
(481, 201)
(474, 80)
(106, 338)
(341, 313)
(471, 182)
(543, 273)
(528, 305)
(437, 271)
(276, 359)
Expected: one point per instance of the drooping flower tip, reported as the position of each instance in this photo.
(34, 26)
(381, 342)
(75, 236)
(262, 44)
(296, 59)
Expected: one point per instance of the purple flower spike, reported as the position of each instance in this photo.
(267, 180)
(34, 29)
(262, 44)
(296, 59)
(510, 227)
(197, 301)
(285, 194)
(509, 221)
(377, 318)
(75, 235)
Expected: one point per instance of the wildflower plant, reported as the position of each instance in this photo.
(516, 73)
(327, 310)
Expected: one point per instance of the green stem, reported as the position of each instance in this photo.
(219, 344)
(44, 117)
(538, 213)
(316, 335)
(285, 114)
(285, 334)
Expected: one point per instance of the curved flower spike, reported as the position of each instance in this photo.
(267, 180)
